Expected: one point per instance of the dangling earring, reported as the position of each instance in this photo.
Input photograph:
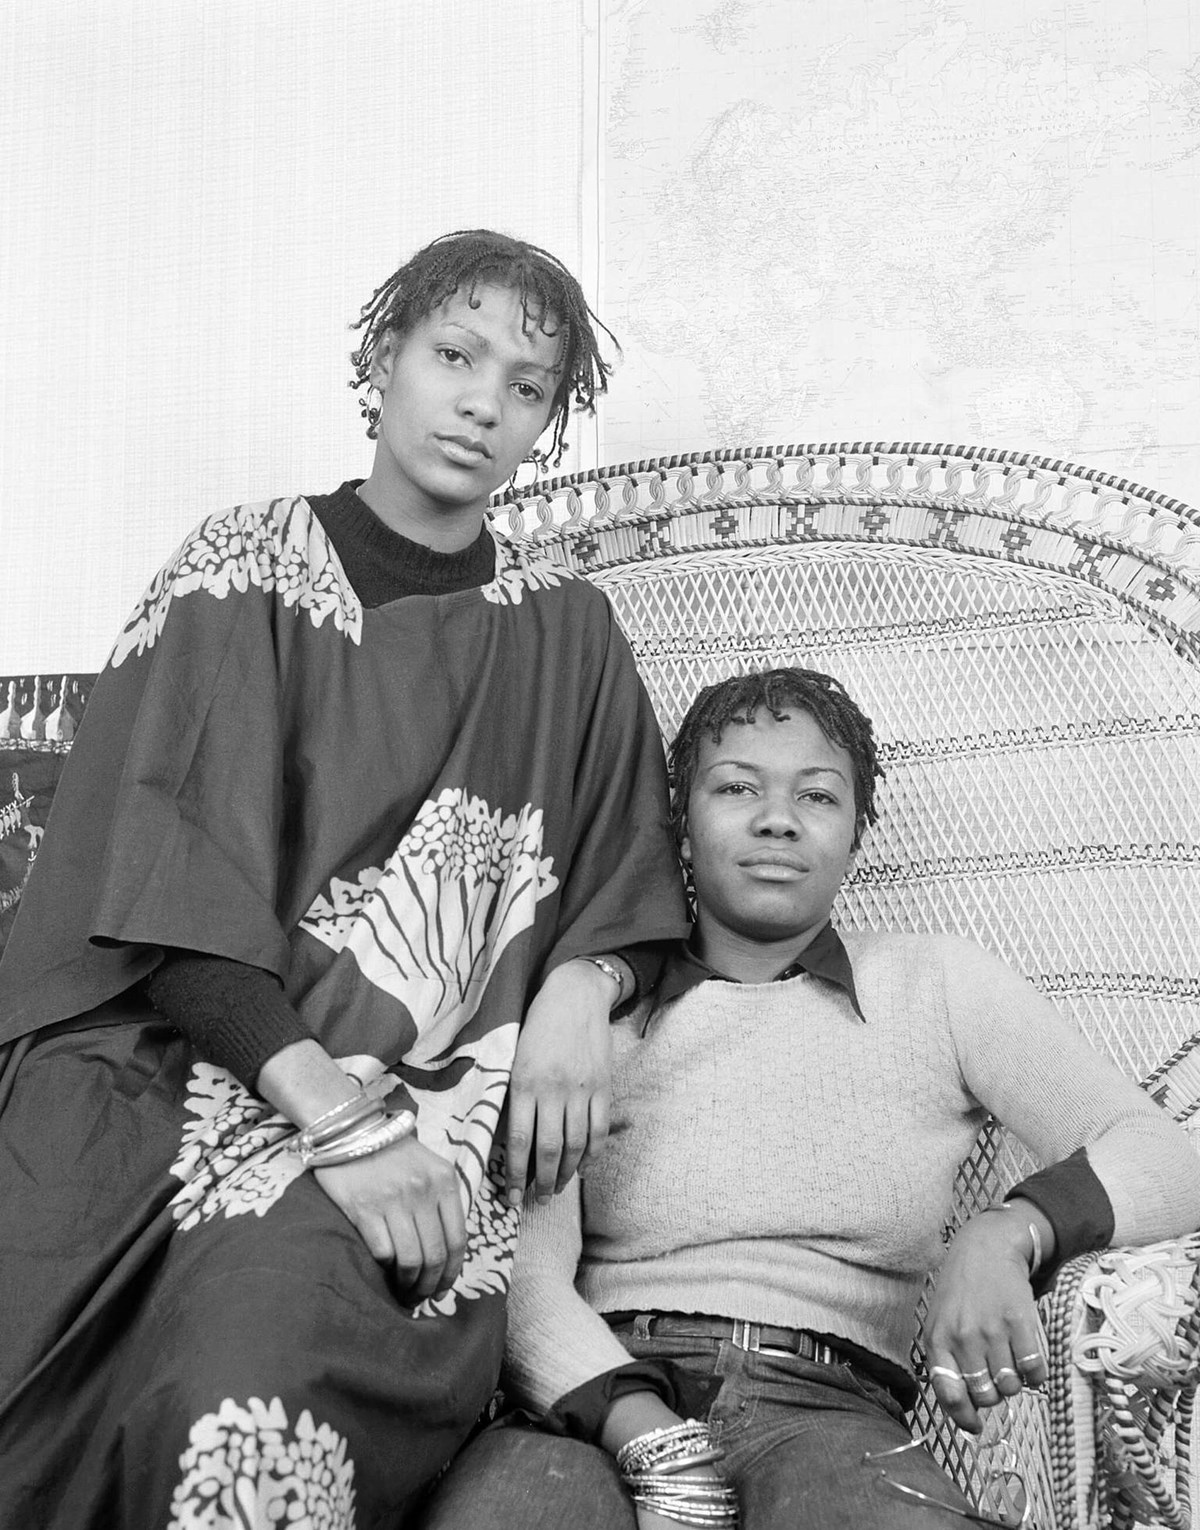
(370, 412)
(689, 887)
(540, 461)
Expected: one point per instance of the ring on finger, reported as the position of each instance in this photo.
(1025, 1361)
(1006, 1370)
(977, 1378)
(946, 1371)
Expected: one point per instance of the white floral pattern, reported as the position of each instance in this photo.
(430, 925)
(234, 1157)
(518, 571)
(279, 545)
(429, 928)
(460, 1125)
(246, 1469)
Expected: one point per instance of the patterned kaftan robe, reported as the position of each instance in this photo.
(408, 814)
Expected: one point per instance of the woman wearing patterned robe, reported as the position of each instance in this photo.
(402, 773)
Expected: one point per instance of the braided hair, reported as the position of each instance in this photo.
(552, 301)
(780, 691)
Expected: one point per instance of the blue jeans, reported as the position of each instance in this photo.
(793, 1432)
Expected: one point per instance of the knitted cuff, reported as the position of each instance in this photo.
(236, 1016)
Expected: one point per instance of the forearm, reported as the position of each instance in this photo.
(556, 1342)
(619, 982)
(634, 1414)
(1035, 1073)
(1074, 1202)
(235, 1015)
(1023, 1228)
(1151, 1174)
(302, 1082)
(672, 1472)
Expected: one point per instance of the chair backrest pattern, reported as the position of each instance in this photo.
(1026, 635)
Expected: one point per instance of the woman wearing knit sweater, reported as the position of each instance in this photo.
(789, 1114)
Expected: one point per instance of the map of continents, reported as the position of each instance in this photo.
(905, 220)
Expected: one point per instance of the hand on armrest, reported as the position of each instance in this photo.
(982, 1339)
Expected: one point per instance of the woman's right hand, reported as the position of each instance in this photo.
(982, 1339)
(406, 1202)
(638, 1413)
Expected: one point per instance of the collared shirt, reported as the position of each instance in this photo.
(824, 957)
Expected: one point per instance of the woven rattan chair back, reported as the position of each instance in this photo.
(1026, 636)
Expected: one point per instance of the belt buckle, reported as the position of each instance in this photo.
(746, 1335)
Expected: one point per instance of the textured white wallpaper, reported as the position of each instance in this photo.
(931, 220)
(846, 219)
(196, 199)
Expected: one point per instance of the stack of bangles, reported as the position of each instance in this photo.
(356, 1128)
(659, 1470)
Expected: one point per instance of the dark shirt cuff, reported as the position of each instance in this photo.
(1076, 1205)
(581, 1413)
(646, 961)
(235, 1015)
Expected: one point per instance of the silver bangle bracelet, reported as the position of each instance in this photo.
(391, 1129)
(1036, 1251)
(342, 1118)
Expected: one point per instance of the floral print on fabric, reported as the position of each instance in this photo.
(279, 545)
(462, 1129)
(517, 572)
(429, 928)
(246, 1469)
(234, 1157)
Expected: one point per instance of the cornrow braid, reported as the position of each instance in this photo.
(551, 301)
(780, 691)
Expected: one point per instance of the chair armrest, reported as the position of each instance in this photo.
(1123, 1329)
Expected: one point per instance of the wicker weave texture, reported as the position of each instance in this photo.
(1026, 636)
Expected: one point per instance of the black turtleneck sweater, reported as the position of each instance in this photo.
(384, 566)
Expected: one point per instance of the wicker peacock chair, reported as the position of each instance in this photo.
(1026, 635)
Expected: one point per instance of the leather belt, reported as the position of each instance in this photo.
(757, 1338)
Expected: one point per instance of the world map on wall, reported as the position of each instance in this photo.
(905, 220)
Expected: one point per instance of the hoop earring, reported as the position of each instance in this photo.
(370, 412)
(539, 461)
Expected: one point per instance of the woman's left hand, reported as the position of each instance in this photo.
(982, 1338)
(560, 1095)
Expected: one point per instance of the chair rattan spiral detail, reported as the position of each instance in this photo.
(1026, 635)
